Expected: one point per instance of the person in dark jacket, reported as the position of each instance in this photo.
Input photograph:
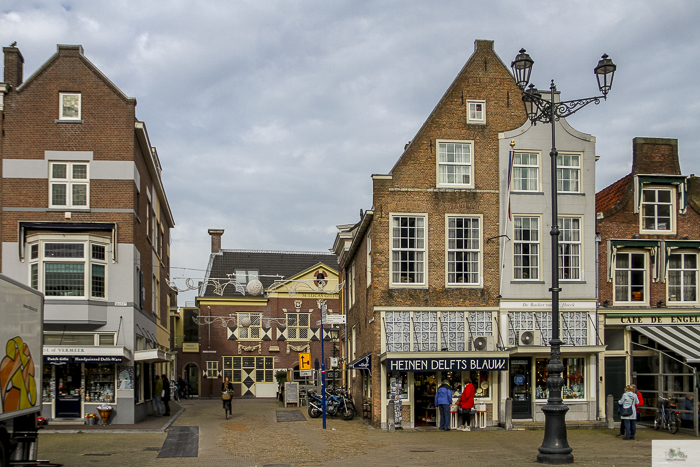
(166, 396)
(443, 401)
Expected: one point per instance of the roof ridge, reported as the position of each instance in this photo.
(280, 252)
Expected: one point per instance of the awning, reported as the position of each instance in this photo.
(683, 339)
(362, 363)
(152, 356)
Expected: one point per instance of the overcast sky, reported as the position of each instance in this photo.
(270, 116)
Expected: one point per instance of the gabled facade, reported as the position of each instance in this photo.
(422, 271)
(648, 223)
(255, 313)
(86, 221)
(526, 274)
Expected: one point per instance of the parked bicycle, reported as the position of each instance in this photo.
(667, 416)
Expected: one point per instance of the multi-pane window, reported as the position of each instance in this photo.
(298, 326)
(630, 273)
(519, 321)
(244, 276)
(526, 248)
(69, 107)
(249, 325)
(264, 369)
(657, 209)
(526, 171)
(408, 250)
(574, 327)
(543, 324)
(61, 269)
(69, 185)
(476, 112)
(425, 328)
(454, 164)
(683, 277)
(212, 369)
(369, 257)
(463, 250)
(398, 331)
(480, 324)
(570, 248)
(453, 331)
(568, 173)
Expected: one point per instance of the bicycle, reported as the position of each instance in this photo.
(175, 392)
(226, 397)
(667, 416)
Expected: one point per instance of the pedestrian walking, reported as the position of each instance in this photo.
(158, 395)
(619, 409)
(466, 404)
(443, 401)
(628, 414)
(166, 395)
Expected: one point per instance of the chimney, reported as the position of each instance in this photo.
(216, 239)
(655, 156)
(14, 66)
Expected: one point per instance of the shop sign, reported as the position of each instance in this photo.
(447, 364)
(97, 359)
(362, 363)
(626, 320)
(58, 359)
(190, 346)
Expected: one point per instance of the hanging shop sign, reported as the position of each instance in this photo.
(362, 363)
(447, 364)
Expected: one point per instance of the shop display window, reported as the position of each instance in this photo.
(483, 386)
(403, 379)
(99, 383)
(47, 384)
(573, 375)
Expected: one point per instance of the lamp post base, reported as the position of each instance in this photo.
(555, 459)
(555, 449)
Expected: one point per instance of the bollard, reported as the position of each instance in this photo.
(391, 417)
(609, 412)
(509, 414)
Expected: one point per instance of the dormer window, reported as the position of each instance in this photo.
(657, 210)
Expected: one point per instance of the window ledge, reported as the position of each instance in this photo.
(67, 121)
(469, 122)
(526, 282)
(657, 232)
(527, 192)
(450, 189)
(68, 209)
(564, 281)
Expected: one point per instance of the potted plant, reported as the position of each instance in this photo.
(90, 419)
(281, 377)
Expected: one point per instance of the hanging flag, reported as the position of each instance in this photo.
(510, 176)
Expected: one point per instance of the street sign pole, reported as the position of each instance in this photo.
(322, 306)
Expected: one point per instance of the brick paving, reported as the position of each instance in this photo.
(253, 437)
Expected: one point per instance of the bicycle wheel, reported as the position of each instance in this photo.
(658, 421)
(226, 412)
(348, 413)
(673, 422)
(314, 412)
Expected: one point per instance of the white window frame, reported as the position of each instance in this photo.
(571, 239)
(655, 205)
(566, 166)
(294, 328)
(38, 260)
(69, 182)
(683, 272)
(519, 167)
(419, 251)
(474, 115)
(61, 114)
(254, 328)
(468, 248)
(629, 272)
(212, 371)
(443, 164)
(518, 242)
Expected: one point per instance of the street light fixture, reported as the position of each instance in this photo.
(555, 447)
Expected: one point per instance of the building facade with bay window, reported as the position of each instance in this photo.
(421, 268)
(86, 221)
(648, 223)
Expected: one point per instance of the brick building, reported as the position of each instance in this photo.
(649, 229)
(421, 268)
(85, 220)
(254, 313)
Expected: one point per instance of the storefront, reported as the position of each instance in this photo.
(411, 380)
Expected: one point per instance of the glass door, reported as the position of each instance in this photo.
(520, 388)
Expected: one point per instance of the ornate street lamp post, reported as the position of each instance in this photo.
(555, 448)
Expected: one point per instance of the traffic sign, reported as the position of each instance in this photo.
(304, 361)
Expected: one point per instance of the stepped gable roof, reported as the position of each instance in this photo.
(609, 196)
(270, 265)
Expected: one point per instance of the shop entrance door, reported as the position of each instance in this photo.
(68, 391)
(520, 388)
(615, 380)
(424, 390)
(191, 378)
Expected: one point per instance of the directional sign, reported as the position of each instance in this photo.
(304, 361)
(333, 319)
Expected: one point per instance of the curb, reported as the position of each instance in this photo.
(163, 429)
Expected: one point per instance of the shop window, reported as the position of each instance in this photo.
(48, 384)
(212, 370)
(106, 339)
(483, 386)
(573, 375)
(398, 331)
(99, 383)
(425, 328)
(401, 382)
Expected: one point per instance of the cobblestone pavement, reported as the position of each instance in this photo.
(253, 437)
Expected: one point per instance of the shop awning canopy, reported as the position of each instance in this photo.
(152, 356)
(682, 339)
(362, 363)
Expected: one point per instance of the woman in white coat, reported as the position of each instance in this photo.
(629, 401)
